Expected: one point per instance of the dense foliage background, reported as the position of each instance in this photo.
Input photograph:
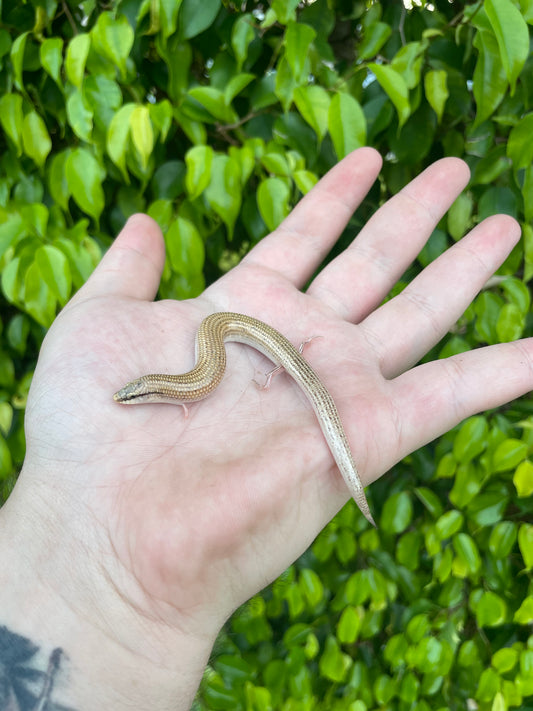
(215, 117)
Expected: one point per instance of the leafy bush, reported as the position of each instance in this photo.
(215, 118)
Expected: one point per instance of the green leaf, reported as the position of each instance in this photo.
(524, 614)
(311, 587)
(84, 178)
(51, 56)
(6, 462)
(374, 37)
(448, 524)
(242, 34)
(214, 101)
(313, 103)
(490, 610)
(55, 270)
(17, 58)
(11, 118)
(297, 40)
(198, 161)
(142, 133)
(468, 553)
(511, 323)
(57, 179)
(460, 216)
(471, 439)
(430, 500)
(284, 10)
(523, 479)
(224, 190)
(489, 78)
(346, 124)
(504, 660)
(39, 300)
(520, 143)
(112, 37)
(117, 138)
(395, 87)
(512, 34)
(195, 17)
(305, 180)
(168, 16)
(509, 454)
(436, 90)
(77, 53)
(80, 116)
(35, 138)
(333, 664)
(273, 201)
(502, 539)
(397, 513)
(185, 248)
(525, 543)
(235, 85)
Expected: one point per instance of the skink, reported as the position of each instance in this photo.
(209, 370)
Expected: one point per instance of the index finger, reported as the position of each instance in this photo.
(304, 238)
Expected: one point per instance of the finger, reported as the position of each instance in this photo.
(133, 264)
(357, 281)
(437, 396)
(300, 243)
(406, 327)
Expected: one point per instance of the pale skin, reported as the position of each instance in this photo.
(133, 533)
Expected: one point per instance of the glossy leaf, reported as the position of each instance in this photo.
(490, 80)
(11, 118)
(242, 34)
(523, 479)
(395, 87)
(118, 137)
(512, 34)
(84, 178)
(313, 103)
(185, 248)
(198, 161)
(502, 539)
(55, 271)
(142, 133)
(223, 192)
(471, 439)
(273, 201)
(76, 58)
(490, 610)
(112, 37)
(346, 124)
(35, 138)
(509, 454)
(195, 16)
(397, 513)
(374, 37)
(51, 56)
(298, 38)
(520, 144)
(436, 90)
(525, 543)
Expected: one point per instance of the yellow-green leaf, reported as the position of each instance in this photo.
(142, 133)
(35, 138)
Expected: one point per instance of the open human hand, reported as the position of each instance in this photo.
(180, 520)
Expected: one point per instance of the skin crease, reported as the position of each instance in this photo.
(153, 527)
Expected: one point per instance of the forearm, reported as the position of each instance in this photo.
(83, 653)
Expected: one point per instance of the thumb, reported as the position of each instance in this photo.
(133, 264)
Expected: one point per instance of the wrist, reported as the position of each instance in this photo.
(96, 649)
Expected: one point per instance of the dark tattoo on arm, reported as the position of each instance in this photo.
(23, 687)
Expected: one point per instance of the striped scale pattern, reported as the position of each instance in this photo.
(199, 382)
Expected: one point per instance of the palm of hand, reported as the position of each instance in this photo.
(201, 512)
